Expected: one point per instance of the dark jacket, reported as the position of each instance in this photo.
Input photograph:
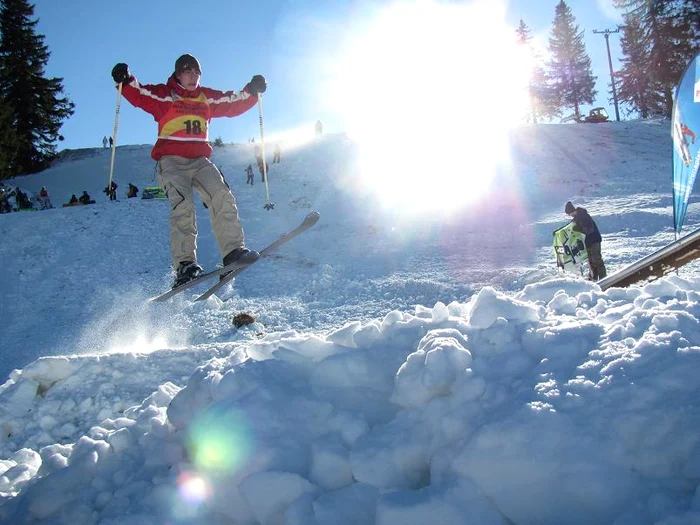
(585, 224)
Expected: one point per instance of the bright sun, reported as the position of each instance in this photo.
(429, 92)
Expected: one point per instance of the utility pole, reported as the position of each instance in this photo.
(607, 33)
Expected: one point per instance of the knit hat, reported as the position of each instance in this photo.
(186, 61)
(569, 208)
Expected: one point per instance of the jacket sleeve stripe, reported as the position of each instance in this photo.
(147, 93)
(233, 97)
(153, 99)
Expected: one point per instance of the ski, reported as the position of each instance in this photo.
(237, 268)
(194, 282)
(308, 222)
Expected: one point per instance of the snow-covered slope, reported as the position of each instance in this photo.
(116, 254)
(402, 367)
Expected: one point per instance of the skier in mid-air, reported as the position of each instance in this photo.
(183, 110)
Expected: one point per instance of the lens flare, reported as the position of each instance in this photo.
(188, 501)
(193, 488)
(292, 138)
(220, 440)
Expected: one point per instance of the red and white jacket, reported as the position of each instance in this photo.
(183, 116)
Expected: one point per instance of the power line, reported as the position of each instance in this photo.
(606, 33)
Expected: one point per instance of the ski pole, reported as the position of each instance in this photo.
(114, 142)
(269, 205)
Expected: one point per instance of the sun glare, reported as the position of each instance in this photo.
(292, 138)
(429, 92)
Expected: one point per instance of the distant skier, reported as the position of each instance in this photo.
(132, 192)
(111, 191)
(278, 153)
(585, 224)
(183, 110)
(261, 162)
(104, 142)
(111, 142)
(249, 173)
(319, 128)
(44, 199)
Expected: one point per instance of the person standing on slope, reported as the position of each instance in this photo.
(44, 199)
(585, 224)
(183, 110)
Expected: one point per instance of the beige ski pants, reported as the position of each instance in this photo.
(178, 176)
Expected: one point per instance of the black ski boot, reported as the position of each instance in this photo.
(239, 255)
(187, 271)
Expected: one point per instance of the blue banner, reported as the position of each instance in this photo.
(686, 140)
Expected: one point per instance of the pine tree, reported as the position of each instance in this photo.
(635, 88)
(8, 141)
(689, 12)
(37, 106)
(667, 37)
(540, 106)
(570, 74)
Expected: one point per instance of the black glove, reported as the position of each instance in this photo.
(256, 85)
(120, 73)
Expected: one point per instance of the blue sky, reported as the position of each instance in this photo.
(295, 44)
